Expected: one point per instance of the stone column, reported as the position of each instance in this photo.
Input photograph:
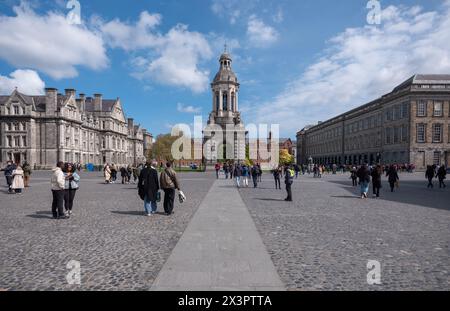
(236, 102)
(220, 100)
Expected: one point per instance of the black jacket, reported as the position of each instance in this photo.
(376, 178)
(363, 174)
(148, 184)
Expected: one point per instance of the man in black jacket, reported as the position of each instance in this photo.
(289, 180)
(149, 187)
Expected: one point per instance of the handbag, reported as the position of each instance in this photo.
(158, 196)
(181, 197)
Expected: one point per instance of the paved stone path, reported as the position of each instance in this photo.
(220, 249)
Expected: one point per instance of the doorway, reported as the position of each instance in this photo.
(17, 158)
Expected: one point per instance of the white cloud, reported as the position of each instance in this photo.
(173, 58)
(361, 64)
(188, 109)
(26, 81)
(48, 43)
(260, 34)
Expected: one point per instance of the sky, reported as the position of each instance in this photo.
(298, 62)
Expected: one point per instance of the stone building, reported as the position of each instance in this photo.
(225, 117)
(409, 125)
(54, 127)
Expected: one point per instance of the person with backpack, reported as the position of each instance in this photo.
(289, 180)
(225, 170)
(354, 177)
(169, 182)
(364, 180)
(148, 188)
(276, 175)
(254, 172)
(238, 174)
(245, 175)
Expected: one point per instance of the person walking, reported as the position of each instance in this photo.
(442, 175)
(245, 175)
(232, 166)
(364, 179)
(169, 182)
(58, 183)
(26, 174)
(10, 167)
(354, 176)
(225, 170)
(289, 180)
(148, 188)
(17, 183)
(123, 174)
(113, 173)
(217, 168)
(72, 181)
(297, 170)
(276, 175)
(429, 174)
(254, 172)
(376, 174)
(259, 172)
(107, 173)
(238, 174)
(392, 177)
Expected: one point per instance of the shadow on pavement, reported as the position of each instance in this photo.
(412, 192)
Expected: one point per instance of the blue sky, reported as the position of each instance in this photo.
(298, 61)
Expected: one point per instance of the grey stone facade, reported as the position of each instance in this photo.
(409, 125)
(225, 117)
(54, 127)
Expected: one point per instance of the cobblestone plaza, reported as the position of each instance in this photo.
(321, 241)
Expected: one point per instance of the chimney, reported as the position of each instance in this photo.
(83, 102)
(51, 101)
(70, 92)
(98, 102)
(130, 123)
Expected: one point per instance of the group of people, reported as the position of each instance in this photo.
(150, 185)
(64, 184)
(17, 176)
(439, 172)
(126, 173)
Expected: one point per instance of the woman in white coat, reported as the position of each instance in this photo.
(18, 184)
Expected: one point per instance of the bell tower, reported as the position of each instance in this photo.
(225, 115)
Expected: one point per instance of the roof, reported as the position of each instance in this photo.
(225, 75)
(424, 79)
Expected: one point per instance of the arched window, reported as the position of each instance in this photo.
(217, 101)
(233, 101)
(225, 101)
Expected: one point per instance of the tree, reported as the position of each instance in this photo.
(162, 148)
(285, 157)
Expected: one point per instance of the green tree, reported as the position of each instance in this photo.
(285, 157)
(162, 148)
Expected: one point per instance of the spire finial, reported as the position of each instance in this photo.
(225, 48)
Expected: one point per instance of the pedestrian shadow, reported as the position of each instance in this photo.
(272, 200)
(42, 215)
(344, 197)
(134, 213)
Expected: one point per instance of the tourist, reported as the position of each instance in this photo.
(259, 172)
(297, 170)
(10, 167)
(276, 175)
(72, 180)
(107, 173)
(237, 175)
(169, 182)
(113, 173)
(393, 177)
(376, 174)
(134, 171)
(17, 183)
(124, 175)
(254, 172)
(289, 180)
(129, 173)
(217, 168)
(245, 175)
(58, 184)
(231, 169)
(26, 174)
(442, 175)
(429, 174)
(149, 187)
(364, 179)
(225, 170)
(354, 177)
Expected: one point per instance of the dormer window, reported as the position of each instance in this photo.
(16, 110)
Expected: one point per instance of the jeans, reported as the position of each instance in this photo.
(430, 183)
(169, 197)
(217, 174)
(245, 181)
(441, 183)
(277, 183)
(255, 181)
(364, 187)
(238, 181)
(69, 196)
(376, 190)
(9, 180)
(150, 206)
(289, 191)
(58, 203)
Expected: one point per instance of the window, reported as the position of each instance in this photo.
(17, 141)
(16, 127)
(404, 133)
(437, 133)
(388, 135)
(16, 110)
(24, 141)
(8, 110)
(404, 110)
(8, 126)
(396, 135)
(437, 109)
(24, 126)
(421, 133)
(397, 112)
(437, 158)
(422, 108)
(9, 141)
